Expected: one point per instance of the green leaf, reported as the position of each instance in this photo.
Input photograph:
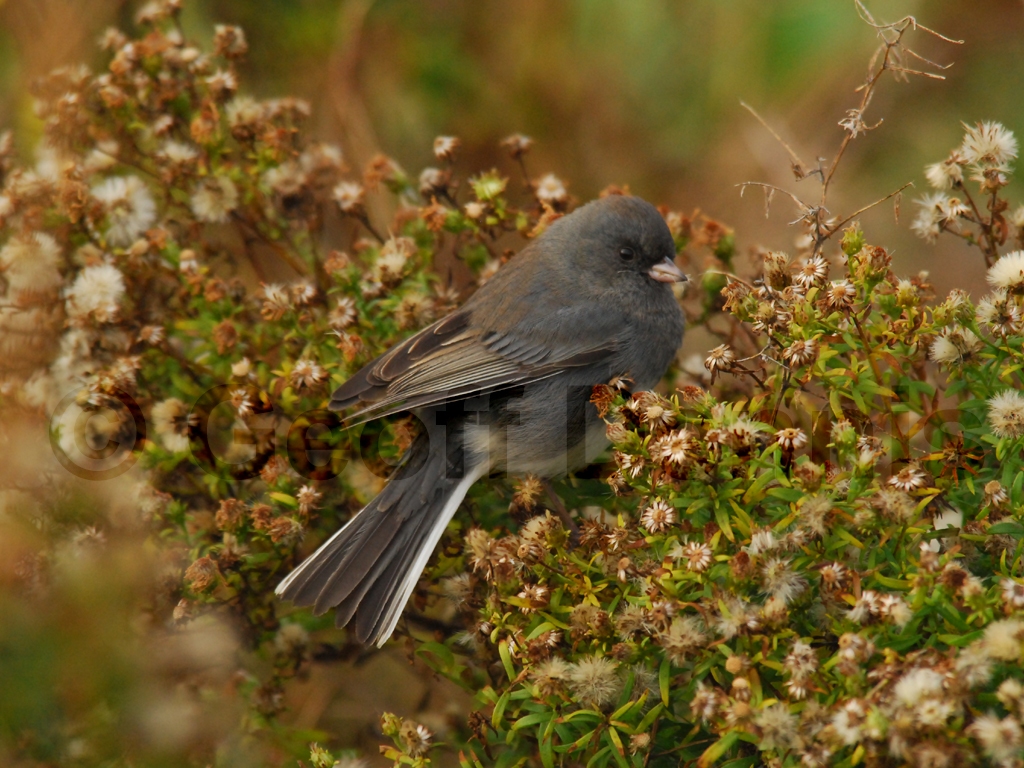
(1007, 527)
(664, 672)
(540, 629)
(284, 498)
(755, 491)
(528, 720)
(649, 718)
(713, 753)
(499, 710)
(547, 752)
(722, 518)
(786, 494)
(580, 714)
(506, 659)
(890, 583)
(960, 641)
(835, 403)
(620, 751)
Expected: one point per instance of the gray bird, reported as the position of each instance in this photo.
(501, 384)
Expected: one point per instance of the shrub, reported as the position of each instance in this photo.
(806, 553)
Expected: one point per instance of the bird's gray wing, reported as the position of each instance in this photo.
(455, 359)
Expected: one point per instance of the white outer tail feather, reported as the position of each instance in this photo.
(426, 549)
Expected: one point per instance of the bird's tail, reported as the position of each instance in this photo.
(369, 568)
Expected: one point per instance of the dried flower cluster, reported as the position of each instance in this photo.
(806, 553)
(186, 276)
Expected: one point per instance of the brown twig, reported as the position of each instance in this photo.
(773, 189)
(858, 212)
(799, 168)
(988, 247)
(887, 57)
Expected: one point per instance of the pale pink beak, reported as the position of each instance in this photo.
(667, 272)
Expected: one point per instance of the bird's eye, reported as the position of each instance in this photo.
(627, 254)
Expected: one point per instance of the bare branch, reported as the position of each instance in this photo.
(930, 31)
(929, 62)
(858, 212)
(906, 71)
(888, 57)
(799, 169)
(773, 188)
(901, 25)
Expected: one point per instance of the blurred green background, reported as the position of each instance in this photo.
(644, 93)
(639, 92)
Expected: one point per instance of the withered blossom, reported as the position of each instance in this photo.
(721, 358)
(955, 346)
(658, 517)
(308, 498)
(1000, 739)
(551, 675)
(761, 541)
(551, 190)
(285, 530)
(229, 41)
(129, 208)
(995, 494)
(417, 737)
(536, 597)
(629, 464)
(678, 447)
(153, 335)
(801, 353)
(214, 199)
(988, 143)
(910, 478)
(779, 728)
(595, 681)
(222, 84)
(172, 420)
(96, 294)
(391, 263)
(241, 401)
(999, 312)
(947, 174)
(791, 439)
(446, 148)
(434, 181)
(781, 581)
(810, 272)
(202, 574)
(277, 301)
(30, 264)
(697, 555)
(684, 636)
(1008, 273)
(517, 145)
(707, 702)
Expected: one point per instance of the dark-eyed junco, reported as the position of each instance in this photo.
(502, 384)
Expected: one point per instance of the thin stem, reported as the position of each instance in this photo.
(877, 372)
(988, 248)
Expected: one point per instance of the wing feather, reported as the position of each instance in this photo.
(514, 330)
(449, 361)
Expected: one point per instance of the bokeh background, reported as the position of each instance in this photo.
(613, 91)
(644, 93)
